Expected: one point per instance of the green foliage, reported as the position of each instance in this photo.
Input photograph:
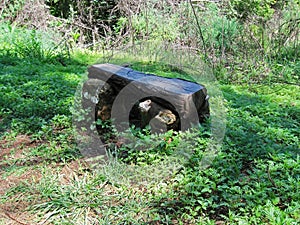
(220, 32)
(156, 25)
(121, 25)
(10, 9)
(29, 96)
(178, 26)
(270, 29)
(254, 178)
(261, 8)
(241, 50)
(95, 17)
(149, 148)
(77, 197)
(31, 45)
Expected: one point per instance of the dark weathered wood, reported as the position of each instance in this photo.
(188, 101)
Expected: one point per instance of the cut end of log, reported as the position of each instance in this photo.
(166, 116)
(145, 106)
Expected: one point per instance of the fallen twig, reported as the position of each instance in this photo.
(14, 219)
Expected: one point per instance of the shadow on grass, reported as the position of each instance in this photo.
(259, 125)
(32, 92)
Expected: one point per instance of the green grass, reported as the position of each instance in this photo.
(253, 179)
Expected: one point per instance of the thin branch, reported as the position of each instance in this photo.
(199, 27)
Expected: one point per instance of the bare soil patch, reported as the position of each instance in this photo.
(13, 211)
(18, 144)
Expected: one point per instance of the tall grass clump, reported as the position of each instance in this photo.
(31, 45)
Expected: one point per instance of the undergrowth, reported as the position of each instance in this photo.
(253, 179)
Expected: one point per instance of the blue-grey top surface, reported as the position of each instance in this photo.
(168, 84)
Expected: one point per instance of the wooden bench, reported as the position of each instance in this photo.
(124, 92)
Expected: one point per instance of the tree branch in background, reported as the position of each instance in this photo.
(199, 28)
